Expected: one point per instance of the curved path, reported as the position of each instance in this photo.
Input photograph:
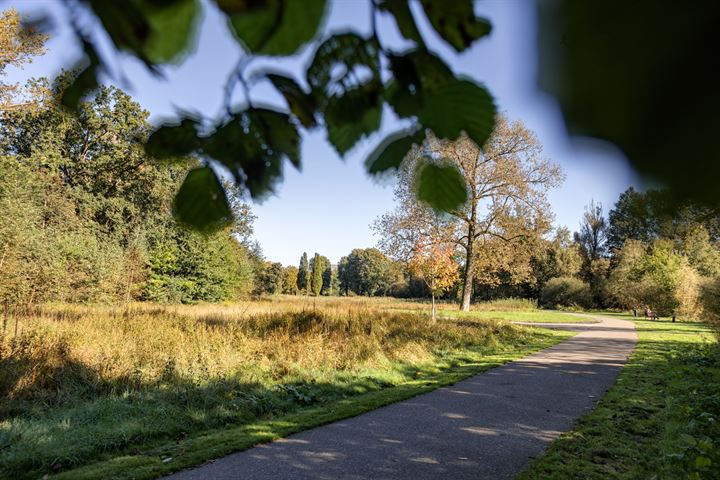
(485, 427)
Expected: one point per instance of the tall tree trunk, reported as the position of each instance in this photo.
(468, 273)
(434, 319)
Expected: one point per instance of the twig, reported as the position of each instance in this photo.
(237, 77)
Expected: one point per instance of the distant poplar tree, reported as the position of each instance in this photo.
(318, 267)
(334, 283)
(327, 278)
(303, 277)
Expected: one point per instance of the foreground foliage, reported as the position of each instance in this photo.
(348, 72)
(80, 384)
(660, 419)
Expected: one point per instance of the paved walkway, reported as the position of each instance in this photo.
(486, 427)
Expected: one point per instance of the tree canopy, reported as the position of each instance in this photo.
(19, 46)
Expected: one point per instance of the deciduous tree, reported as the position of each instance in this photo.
(290, 277)
(653, 214)
(557, 257)
(270, 278)
(19, 45)
(507, 178)
(433, 261)
(366, 272)
(97, 212)
(592, 237)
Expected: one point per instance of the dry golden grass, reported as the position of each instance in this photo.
(68, 352)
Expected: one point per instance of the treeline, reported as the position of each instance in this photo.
(647, 253)
(365, 271)
(85, 216)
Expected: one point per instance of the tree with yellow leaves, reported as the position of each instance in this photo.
(18, 45)
(432, 259)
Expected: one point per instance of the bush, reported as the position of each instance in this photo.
(657, 277)
(566, 292)
(710, 302)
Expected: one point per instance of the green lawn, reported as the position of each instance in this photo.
(661, 419)
(534, 316)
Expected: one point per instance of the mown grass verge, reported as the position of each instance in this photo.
(105, 394)
(661, 419)
(532, 316)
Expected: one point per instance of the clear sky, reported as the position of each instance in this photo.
(327, 208)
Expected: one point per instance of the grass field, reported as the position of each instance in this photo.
(139, 391)
(661, 419)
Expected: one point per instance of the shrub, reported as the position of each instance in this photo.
(710, 302)
(658, 277)
(566, 292)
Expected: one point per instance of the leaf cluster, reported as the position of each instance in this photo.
(347, 83)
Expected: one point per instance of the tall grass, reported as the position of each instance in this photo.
(77, 381)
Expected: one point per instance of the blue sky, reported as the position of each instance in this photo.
(329, 205)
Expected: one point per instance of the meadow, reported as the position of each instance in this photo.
(129, 388)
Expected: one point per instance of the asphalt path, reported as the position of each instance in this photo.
(485, 427)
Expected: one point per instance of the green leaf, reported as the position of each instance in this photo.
(344, 136)
(350, 117)
(201, 202)
(344, 52)
(173, 141)
(253, 145)
(441, 186)
(460, 106)
(274, 27)
(277, 132)
(125, 23)
(154, 31)
(404, 19)
(416, 75)
(455, 22)
(390, 153)
(649, 86)
(702, 462)
(349, 100)
(301, 104)
(172, 28)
